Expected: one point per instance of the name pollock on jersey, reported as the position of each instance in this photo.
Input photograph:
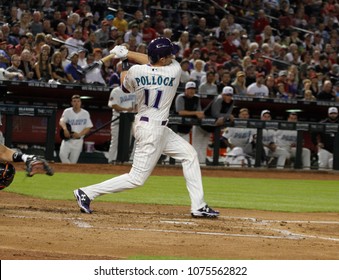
(153, 80)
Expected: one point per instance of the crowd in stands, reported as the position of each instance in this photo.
(270, 48)
(278, 49)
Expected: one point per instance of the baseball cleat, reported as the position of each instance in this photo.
(206, 212)
(83, 201)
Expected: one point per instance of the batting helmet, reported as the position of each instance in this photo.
(161, 47)
(7, 172)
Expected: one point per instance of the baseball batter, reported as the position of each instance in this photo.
(155, 84)
(119, 102)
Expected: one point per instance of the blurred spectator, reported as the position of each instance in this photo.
(64, 56)
(212, 18)
(183, 42)
(243, 47)
(201, 28)
(14, 68)
(94, 76)
(68, 10)
(81, 11)
(22, 42)
(57, 70)
(327, 93)
(225, 80)
(133, 32)
(182, 27)
(233, 65)
(61, 32)
(13, 15)
(4, 57)
(197, 73)
(314, 84)
(102, 33)
(239, 84)
(114, 80)
(228, 44)
(85, 25)
(260, 22)
(46, 26)
(25, 20)
(119, 21)
(91, 43)
(138, 18)
(75, 42)
(196, 54)
(42, 68)
(27, 64)
(13, 37)
(323, 66)
(270, 83)
(208, 89)
(258, 89)
(232, 24)
(308, 96)
(148, 32)
(185, 74)
(222, 30)
(168, 33)
(73, 70)
(82, 61)
(212, 64)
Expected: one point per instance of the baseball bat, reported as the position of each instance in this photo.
(89, 68)
(67, 44)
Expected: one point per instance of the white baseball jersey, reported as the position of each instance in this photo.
(238, 136)
(285, 138)
(78, 121)
(118, 97)
(155, 88)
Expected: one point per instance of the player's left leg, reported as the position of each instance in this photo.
(179, 149)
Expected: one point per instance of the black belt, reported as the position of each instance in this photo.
(146, 119)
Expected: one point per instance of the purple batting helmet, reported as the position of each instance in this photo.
(161, 47)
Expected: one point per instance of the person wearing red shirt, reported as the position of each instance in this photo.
(260, 23)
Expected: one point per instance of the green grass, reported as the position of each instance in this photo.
(244, 193)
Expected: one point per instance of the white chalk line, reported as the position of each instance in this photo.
(285, 233)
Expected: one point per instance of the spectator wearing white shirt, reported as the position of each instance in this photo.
(258, 88)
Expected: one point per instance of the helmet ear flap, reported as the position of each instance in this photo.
(7, 172)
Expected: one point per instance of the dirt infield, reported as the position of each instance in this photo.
(33, 228)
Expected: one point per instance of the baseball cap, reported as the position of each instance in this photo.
(265, 112)
(190, 85)
(234, 56)
(114, 28)
(196, 50)
(282, 73)
(227, 90)
(260, 74)
(89, 14)
(109, 17)
(240, 73)
(73, 54)
(333, 110)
